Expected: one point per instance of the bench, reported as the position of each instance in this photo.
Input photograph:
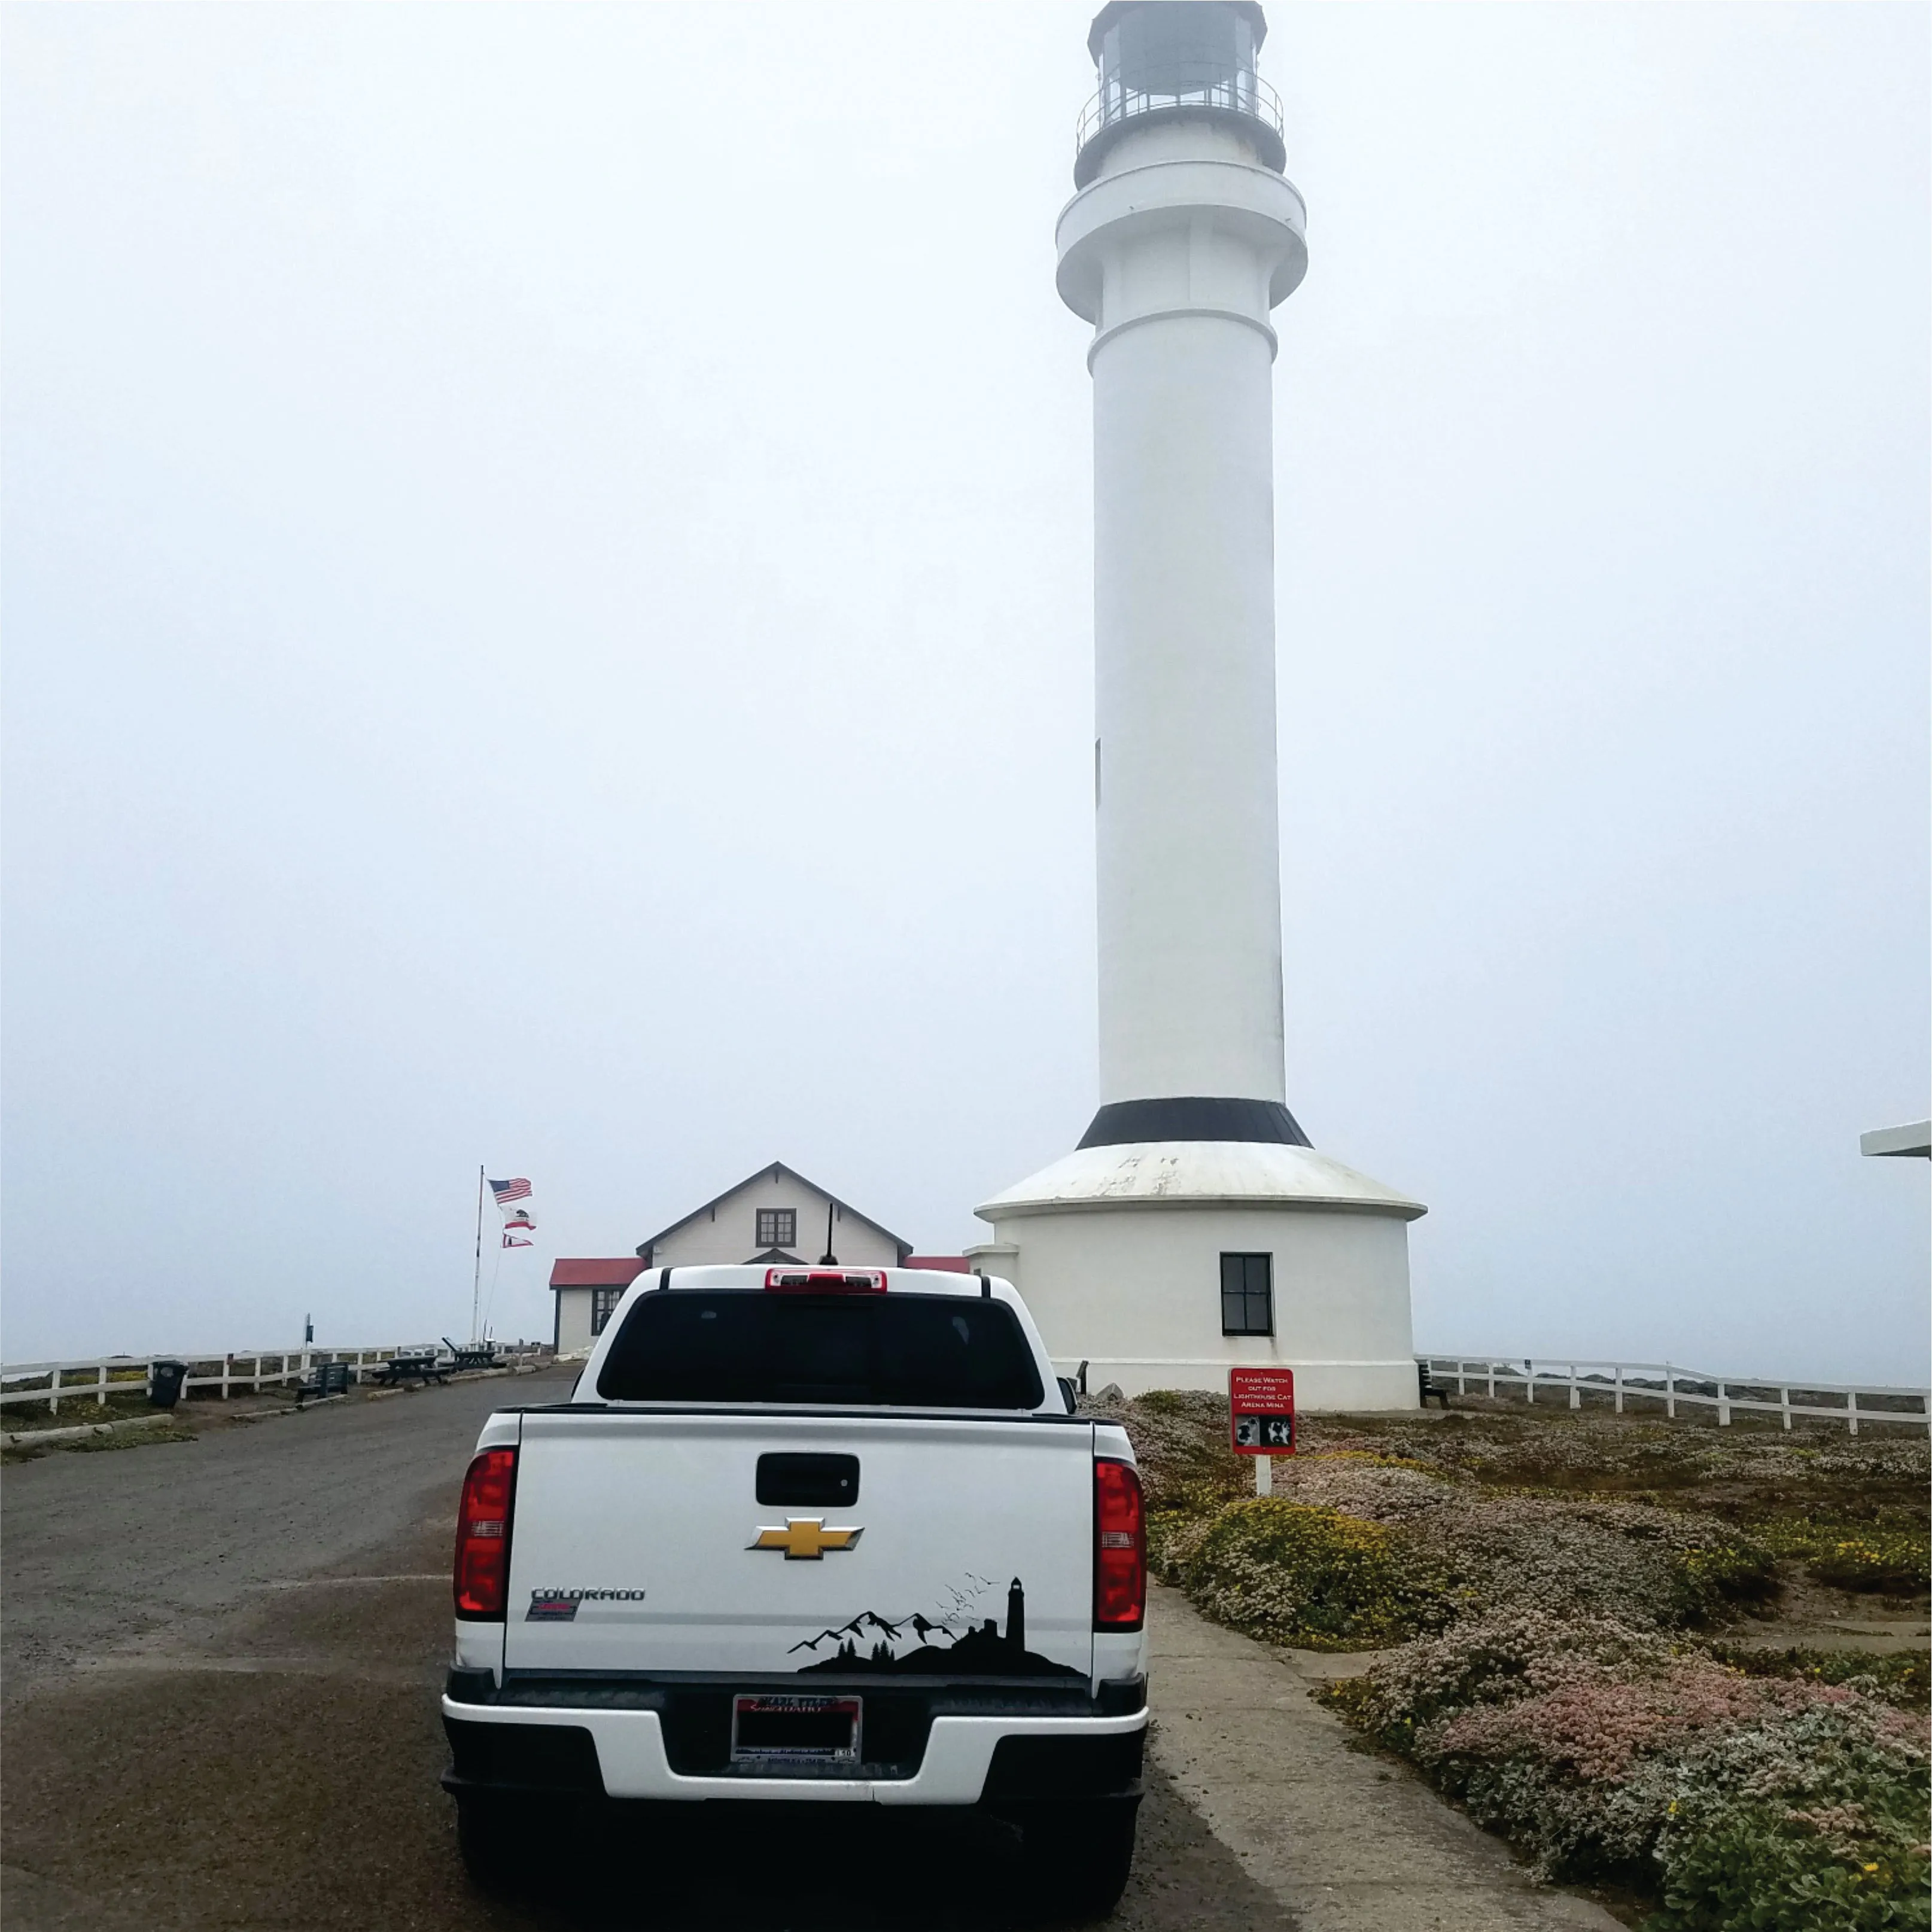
(1429, 1386)
(425, 1368)
(324, 1380)
(471, 1354)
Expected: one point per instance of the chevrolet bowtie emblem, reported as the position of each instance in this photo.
(805, 1536)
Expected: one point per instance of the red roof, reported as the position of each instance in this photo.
(618, 1272)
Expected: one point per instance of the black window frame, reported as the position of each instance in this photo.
(1246, 1287)
(784, 1224)
(603, 1305)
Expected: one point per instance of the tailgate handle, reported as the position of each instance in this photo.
(832, 1481)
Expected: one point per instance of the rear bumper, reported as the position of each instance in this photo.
(621, 1753)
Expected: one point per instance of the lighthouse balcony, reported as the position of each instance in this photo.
(1244, 99)
(1172, 60)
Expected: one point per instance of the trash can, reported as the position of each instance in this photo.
(164, 1386)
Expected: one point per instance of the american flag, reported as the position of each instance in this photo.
(507, 1191)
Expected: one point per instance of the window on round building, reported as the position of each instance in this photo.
(1247, 1295)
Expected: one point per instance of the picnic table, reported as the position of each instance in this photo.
(471, 1354)
(427, 1367)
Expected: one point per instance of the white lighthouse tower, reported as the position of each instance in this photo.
(1195, 1227)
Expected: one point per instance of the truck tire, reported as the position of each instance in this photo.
(492, 1835)
(1077, 1856)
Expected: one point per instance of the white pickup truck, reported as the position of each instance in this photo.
(806, 1534)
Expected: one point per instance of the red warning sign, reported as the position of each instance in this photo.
(1260, 1412)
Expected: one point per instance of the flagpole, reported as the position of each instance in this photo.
(476, 1284)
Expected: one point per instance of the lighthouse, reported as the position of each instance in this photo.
(1195, 1227)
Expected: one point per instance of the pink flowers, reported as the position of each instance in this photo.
(1596, 1722)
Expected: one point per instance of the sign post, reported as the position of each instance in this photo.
(1260, 1419)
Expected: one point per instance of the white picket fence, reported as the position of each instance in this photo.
(96, 1377)
(1665, 1382)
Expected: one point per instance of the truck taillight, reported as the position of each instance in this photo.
(825, 1281)
(483, 1534)
(1120, 1547)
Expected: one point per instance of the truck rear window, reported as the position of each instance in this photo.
(889, 1351)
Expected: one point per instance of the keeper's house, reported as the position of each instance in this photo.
(776, 1216)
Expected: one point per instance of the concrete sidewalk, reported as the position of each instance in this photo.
(1346, 1842)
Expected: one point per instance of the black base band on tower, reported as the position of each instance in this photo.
(1194, 1117)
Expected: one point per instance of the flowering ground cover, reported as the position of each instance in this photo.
(1570, 1614)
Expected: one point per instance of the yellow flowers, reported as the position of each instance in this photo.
(1289, 1572)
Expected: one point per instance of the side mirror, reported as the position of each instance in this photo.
(1068, 1394)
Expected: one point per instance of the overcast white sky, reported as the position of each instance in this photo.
(548, 579)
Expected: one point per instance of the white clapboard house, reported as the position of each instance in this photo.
(775, 1215)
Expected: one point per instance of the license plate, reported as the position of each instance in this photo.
(795, 1730)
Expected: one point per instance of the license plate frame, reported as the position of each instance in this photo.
(792, 1731)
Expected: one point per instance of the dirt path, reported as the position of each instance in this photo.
(1343, 1841)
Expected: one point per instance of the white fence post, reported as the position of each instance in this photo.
(1784, 1408)
(1575, 1394)
(1852, 1410)
(1492, 1381)
(1669, 1392)
(1723, 1407)
(1620, 1388)
(1529, 1380)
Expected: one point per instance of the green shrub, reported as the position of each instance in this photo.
(1887, 1553)
(1755, 1873)
(1899, 1677)
(1711, 1575)
(1893, 1562)
(1755, 1804)
(1814, 1823)
(1311, 1577)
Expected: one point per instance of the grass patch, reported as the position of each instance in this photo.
(128, 1438)
(24, 1417)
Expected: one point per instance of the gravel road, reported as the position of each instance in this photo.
(220, 1661)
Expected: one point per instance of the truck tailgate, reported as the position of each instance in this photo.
(639, 1544)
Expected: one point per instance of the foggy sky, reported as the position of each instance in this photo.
(548, 597)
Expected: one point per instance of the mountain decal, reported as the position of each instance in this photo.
(981, 1651)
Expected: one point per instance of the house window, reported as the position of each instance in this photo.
(778, 1227)
(1247, 1295)
(603, 1305)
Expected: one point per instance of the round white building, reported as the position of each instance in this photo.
(1195, 1227)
